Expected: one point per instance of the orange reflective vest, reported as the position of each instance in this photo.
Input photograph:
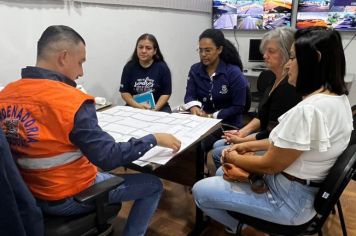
(37, 116)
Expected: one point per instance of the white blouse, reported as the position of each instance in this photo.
(320, 126)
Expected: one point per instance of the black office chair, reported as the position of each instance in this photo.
(338, 204)
(248, 100)
(92, 223)
(353, 134)
(22, 206)
(327, 197)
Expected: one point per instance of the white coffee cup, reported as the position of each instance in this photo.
(100, 100)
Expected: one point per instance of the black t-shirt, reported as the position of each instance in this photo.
(273, 105)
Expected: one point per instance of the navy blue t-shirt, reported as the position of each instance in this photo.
(136, 79)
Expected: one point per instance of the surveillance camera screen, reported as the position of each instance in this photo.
(337, 14)
(251, 14)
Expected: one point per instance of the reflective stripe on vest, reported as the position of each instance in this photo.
(48, 162)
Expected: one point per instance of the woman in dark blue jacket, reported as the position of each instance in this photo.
(216, 86)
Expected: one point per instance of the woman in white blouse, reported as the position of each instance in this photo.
(301, 149)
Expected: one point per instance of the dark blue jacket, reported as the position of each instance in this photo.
(19, 214)
(225, 93)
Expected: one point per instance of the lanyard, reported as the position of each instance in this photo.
(211, 90)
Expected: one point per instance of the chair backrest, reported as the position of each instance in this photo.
(264, 80)
(248, 100)
(20, 215)
(336, 181)
(353, 134)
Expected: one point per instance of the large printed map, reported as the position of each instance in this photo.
(123, 123)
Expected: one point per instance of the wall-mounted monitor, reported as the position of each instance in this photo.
(338, 14)
(254, 54)
(251, 14)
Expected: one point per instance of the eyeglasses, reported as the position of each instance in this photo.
(207, 51)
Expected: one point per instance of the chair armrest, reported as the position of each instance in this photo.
(98, 190)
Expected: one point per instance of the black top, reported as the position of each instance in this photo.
(272, 106)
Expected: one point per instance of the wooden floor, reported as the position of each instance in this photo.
(176, 212)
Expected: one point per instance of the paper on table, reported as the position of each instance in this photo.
(125, 122)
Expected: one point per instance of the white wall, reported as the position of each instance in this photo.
(110, 33)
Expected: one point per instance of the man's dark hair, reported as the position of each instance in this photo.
(321, 61)
(229, 53)
(54, 34)
(153, 40)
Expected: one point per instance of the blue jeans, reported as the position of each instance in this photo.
(144, 189)
(286, 202)
(218, 147)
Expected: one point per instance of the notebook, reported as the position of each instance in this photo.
(145, 98)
